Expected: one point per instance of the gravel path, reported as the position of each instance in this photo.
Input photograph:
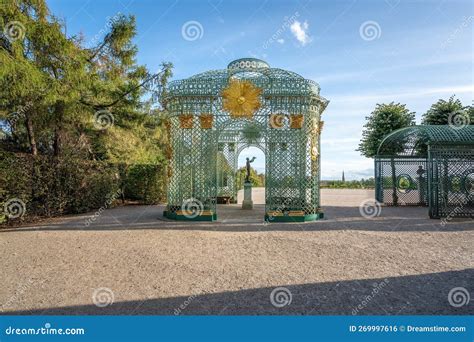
(135, 262)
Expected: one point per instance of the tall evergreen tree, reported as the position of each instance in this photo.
(56, 93)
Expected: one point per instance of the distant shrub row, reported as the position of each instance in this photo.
(354, 184)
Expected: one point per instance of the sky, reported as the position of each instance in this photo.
(360, 52)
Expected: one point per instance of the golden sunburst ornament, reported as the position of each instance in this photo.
(241, 99)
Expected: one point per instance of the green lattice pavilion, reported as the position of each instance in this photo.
(214, 115)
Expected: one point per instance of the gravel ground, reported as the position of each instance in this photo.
(133, 261)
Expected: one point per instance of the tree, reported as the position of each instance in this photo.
(52, 88)
(470, 112)
(75, 108)
(440, 112)
(257, 180)
(385, 119)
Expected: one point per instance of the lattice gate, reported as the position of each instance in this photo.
(451, 181)
(401, 181)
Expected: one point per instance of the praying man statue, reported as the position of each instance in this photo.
(247, 177)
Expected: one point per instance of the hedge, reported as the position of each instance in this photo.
(49, 186)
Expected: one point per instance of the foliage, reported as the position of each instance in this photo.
(55, 93)
(439, 112)
(385, 119)
(354, 184)
(51, 186)
(52, 88)
(470, 112)
(257, 180)
(145, 183)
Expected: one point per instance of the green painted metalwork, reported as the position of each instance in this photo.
(428, 165)
(413, 141)
(451, 181)
(203, 161)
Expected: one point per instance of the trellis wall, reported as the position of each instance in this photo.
(429, 166)
(451, 181)
(401, 181)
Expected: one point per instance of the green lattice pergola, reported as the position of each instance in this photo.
(216, 114)
(428, 165)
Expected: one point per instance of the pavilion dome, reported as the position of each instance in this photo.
(413, 141)
(273, 81)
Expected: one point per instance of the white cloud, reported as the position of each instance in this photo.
(300, 31)
(281, 41)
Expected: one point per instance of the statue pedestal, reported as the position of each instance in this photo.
(247, 202)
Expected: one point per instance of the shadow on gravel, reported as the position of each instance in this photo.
(425, 294)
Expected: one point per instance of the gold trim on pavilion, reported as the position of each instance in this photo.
(186, 121)
(296, 121)
(241, 99)
(206, 121)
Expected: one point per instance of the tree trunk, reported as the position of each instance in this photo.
(394, 183)
(31, 134)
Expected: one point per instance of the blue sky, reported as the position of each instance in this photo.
(360, 52)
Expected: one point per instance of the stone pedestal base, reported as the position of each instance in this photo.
(247, 202)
